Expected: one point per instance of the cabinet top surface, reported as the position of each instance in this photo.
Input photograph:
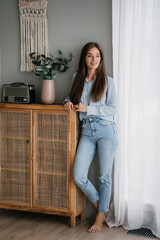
(32, 106)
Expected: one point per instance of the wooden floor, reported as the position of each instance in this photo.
(16, 225)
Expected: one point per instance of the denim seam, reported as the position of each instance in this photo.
(111, 153)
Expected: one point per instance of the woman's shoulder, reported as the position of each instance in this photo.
(109, 80)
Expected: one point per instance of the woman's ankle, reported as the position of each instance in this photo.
(101, 215)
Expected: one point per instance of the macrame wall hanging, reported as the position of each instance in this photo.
(34, 30)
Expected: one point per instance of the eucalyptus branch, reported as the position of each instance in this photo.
(49, 67)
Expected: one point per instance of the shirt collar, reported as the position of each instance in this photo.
(91, 81)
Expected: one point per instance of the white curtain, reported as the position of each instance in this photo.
(136, 70)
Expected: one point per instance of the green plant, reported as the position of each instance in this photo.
(49, 67)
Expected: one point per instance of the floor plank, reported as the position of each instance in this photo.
(17, 225)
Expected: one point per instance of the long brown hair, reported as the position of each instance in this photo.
(99, 84)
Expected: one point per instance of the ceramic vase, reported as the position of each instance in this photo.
(48, 95)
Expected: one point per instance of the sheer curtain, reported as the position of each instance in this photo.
(136, 70)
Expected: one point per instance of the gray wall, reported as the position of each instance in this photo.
(71, 23)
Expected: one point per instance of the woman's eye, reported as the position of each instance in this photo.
(91, 56)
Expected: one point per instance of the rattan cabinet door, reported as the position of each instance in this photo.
(15, 157)
(51, 160)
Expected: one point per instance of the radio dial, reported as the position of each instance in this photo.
(24, 99)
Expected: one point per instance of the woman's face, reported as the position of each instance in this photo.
(93, 58)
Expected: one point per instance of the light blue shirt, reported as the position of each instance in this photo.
(105, 108)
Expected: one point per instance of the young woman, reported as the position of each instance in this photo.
(93, 95)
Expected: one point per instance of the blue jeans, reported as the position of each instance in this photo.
(101, 135)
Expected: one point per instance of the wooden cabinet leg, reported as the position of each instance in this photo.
(83, 216)
(73, 222)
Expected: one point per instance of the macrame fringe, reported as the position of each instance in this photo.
(34, 30)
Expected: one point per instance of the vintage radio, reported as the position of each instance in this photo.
(18, 93)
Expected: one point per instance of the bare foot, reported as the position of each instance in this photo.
(98, 224)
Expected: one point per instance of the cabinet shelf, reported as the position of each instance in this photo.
(52, 173)
(15, 138)
(14, 170)
(51, 140)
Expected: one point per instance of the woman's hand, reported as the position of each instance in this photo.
(80, 107)
(68, 106)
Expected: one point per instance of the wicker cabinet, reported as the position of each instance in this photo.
(37, 151)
